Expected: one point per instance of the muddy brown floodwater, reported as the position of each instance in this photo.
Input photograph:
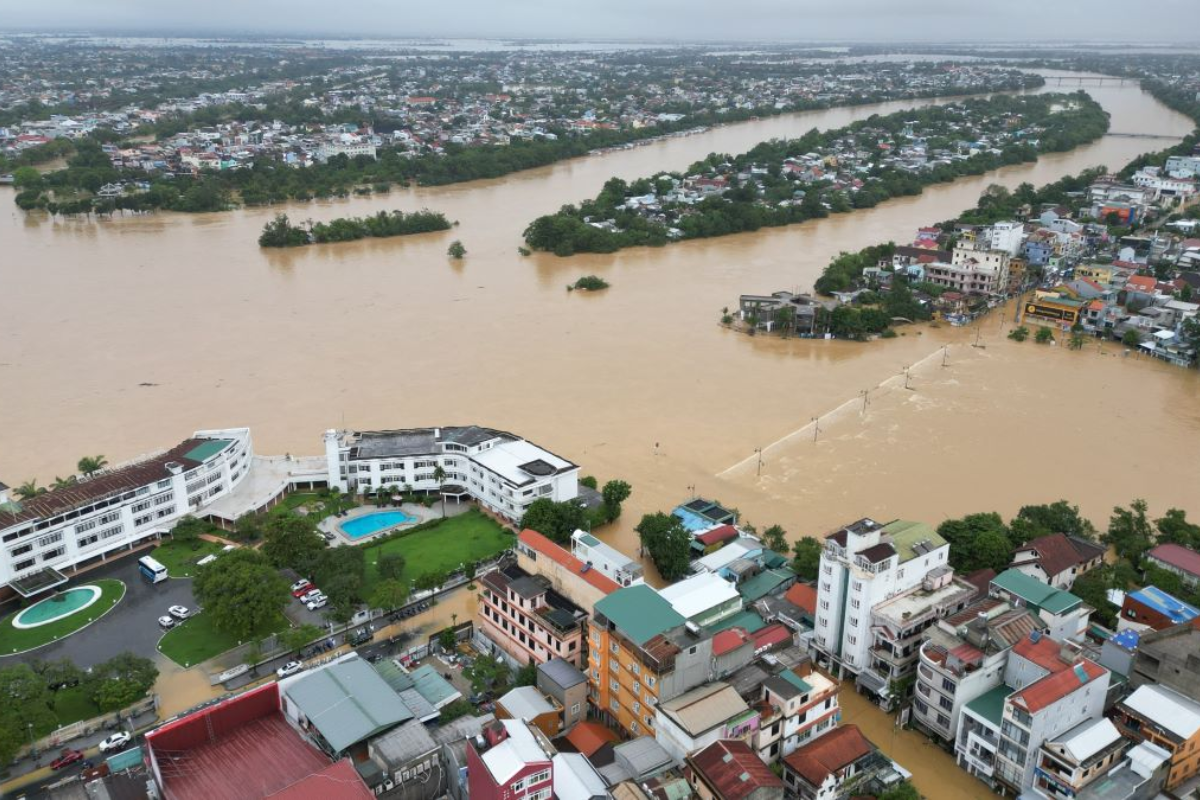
(123, 336)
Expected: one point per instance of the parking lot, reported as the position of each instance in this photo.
(131, 625)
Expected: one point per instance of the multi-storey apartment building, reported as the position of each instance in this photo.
(1167, 719)
(898, 629)
(964, 657)
(702, 716)
(500, 471)
(528, 619)
(1054, 690)
(117, 508)
(862, 565)
(795, 706)
(510, 759)
(641, 652)
(1169, 657)
(1070, 761)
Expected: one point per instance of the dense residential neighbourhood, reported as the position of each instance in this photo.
(448, 610)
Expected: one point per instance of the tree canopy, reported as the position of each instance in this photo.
(243, 594)
(668, 542)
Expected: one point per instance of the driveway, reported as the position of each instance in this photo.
(131, 625)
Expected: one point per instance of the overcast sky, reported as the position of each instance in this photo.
(807, 20)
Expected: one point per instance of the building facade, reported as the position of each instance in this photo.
(120, 507)
(510, 759)
(611, 562)
(528, 619)
(1167, 719)
(863, 565)
(500, 471)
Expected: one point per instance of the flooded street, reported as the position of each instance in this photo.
(935, 774)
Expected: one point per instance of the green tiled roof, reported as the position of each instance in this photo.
(1035, 593)
(990, 704)
(795, 680)
(639, 612)
(907, 535)
(750, 620)
(763, 583)
(203, 452)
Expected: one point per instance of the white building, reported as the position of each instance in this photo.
(1183, 166)
(500, 471)
(612, 563)
(1164, 185)
(696, 719)
(352, 148)
(794, 709)
(1006, 236)
(117, 508)
(703, 599)
(862, 565)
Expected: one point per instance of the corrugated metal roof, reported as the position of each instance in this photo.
(1174, 712)
(705, 708)
(347, 702)
(639, 612)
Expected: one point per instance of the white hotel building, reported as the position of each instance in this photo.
(500, 471)
(115, 509)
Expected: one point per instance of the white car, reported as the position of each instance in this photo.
(290, 668)
(310, 595)
(300, 584)
(115, 742)
(166, 622)
(179, 612)
(317, 602)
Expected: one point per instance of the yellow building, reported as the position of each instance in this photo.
(1100, 273)
(641, 652)
(1163, 717)
(1054, 309)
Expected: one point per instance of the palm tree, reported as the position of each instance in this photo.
(90, 465)
(29, 490)
(439, 475)
(63, 483)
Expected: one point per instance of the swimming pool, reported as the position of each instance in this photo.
(368, 524)
(52, 609)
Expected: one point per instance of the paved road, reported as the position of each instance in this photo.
(131, 625)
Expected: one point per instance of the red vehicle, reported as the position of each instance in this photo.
(67, 758)
(300, 591)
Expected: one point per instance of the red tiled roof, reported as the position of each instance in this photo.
(804, 596)
(558, 555)
(1055, 553)
(1045, 652)
(1096, 305)
(837, 749)
(728, 640)
(733, 769)
(588, 737)
(770, 636)
(721, 533)
(1052, 688)
(1144, 282)
(1177, 556)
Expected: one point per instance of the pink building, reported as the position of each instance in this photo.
(528, 619)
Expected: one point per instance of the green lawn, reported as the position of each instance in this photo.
(71, 705)
(180, 557)
(197, 640)
(15, 640)
(468, 537)
(317, 508)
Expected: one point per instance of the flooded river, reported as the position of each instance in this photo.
(123, 336)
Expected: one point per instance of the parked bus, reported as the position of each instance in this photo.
(152, 570)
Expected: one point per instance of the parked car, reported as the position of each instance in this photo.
(179, 612)
(360, 636)
(320, 601)
(67, 758)
(303, 583)
(310, 594)
(329, 537)
(303, 590)
(166, 622)
(290, 668)
(116, 741)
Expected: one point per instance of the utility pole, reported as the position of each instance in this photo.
(816, 421)
(758, 452)
(945, 354)
(865, 396)
(906, 377)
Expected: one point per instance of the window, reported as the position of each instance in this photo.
(650, 681)
(634, 728)
(538, 777)
(575, 708)
(637, 707)
(614, 685)
(50, 539)
(945, 703)
(613, 704)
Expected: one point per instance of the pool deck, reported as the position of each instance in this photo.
(334, 524)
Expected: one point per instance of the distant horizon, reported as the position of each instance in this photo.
(298, 35)
(1154, 23)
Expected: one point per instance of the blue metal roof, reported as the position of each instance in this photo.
(1169, 606)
